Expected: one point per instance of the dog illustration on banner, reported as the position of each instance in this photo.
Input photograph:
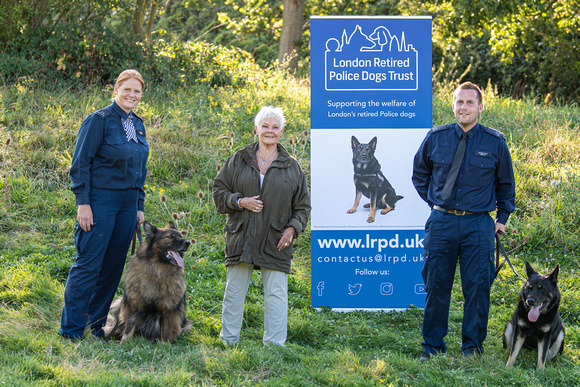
(370, 181)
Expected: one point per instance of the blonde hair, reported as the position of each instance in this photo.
(128, 74)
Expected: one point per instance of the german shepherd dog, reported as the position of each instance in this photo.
(154, 301)
(370, 181)
(536, 322)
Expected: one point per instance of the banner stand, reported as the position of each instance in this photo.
(371, 106)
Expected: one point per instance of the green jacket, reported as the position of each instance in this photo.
(253, 237)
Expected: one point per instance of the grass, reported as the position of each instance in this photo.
(191, 132)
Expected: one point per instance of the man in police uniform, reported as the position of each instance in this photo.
(463, 177)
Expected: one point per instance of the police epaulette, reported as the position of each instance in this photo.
(440, 127)
(493, 131)
(103, 112)
(135, 115)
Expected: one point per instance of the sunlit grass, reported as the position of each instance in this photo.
(191, 133)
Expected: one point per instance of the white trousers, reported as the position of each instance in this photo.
(275, 304)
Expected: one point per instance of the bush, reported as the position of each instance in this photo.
(198, 63)
(98, 55)
(69, 54)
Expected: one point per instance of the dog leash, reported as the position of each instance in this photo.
(108, 337)
(136, 235)
(499, 247)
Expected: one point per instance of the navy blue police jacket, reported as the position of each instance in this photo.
(104, 158)
(486, 180)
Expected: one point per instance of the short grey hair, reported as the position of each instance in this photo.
(270, 112)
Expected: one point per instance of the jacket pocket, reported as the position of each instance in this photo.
(272, 239)
(482, 171)
(482, 162)
(234, 238)
(115, 140)
(142, 139)
(441, 166)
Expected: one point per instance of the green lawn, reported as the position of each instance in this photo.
(191, 133)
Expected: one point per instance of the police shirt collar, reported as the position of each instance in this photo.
(117, 109)
(471, 132)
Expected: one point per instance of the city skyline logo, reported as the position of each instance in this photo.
(378, 60)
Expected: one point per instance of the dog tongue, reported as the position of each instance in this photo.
(177, 258)
(534, 313)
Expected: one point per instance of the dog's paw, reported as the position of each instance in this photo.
(351, 211)
(511, 361)
(186, 327)
(386, 210)
(370, 219)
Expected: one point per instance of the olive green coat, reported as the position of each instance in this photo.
(252, 237)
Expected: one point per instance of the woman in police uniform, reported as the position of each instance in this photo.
(108, 171)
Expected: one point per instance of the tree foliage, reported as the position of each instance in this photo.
(256, 25)
(541, 41)
(64, 39)
(521, 48)
(55, 45)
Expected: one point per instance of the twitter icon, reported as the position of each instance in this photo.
(353, 290)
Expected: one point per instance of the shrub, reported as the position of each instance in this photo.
(97, 55)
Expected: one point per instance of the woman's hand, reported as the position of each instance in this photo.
(287, 236)
(499, 228)
(252, 203)
(140, 218)
(85, 216)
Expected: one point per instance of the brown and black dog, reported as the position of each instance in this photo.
(154, 301)
(370, 181)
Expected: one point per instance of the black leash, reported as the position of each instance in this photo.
(108, 337)
(136, 235)
(499, 247)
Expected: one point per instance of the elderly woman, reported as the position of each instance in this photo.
(108, 172)
(263, 191)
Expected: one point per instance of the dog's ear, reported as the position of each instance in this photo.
(553, 275)
(150, 229)
(171, 225)
(373, 143)
(529, 269)
(354, 142)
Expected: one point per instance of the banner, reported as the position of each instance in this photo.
(371, 106)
